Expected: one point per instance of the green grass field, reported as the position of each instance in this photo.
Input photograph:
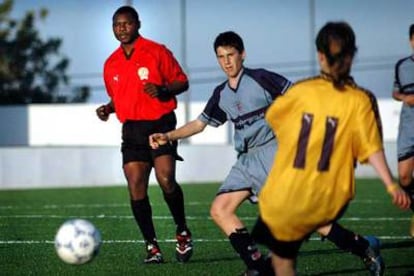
(29, 220)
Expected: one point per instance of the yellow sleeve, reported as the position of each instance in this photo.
(279, 109)
(367, 138)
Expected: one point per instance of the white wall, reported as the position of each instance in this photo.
(35, 167)
(66, 145)
(77, 125)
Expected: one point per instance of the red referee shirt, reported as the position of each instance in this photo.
(125, 78)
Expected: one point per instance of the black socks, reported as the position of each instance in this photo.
(142, 212)
(244, 245)
(347, 240)
(175, 202)
(143, 216)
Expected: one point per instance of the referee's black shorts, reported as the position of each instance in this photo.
(135, 142)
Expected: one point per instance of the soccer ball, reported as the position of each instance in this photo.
(77, 241)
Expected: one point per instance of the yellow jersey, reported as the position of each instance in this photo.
(321, 132)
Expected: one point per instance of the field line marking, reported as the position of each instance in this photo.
(95, 205)
(103, 216)
(123, 205)
(173, 240)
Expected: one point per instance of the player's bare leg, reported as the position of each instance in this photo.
(283, 266)
(406, 178)
(223, 211)
(405, 171)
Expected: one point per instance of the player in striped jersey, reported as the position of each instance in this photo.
(404, 91)
(323, 126)
(243, 100)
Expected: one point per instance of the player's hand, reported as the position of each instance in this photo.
(399, 197)
(103, 112)
(155, 90)
(158, 139)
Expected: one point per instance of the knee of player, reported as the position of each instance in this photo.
(168, 186)
(405, 179)
(166, 181)
(136, 182)
(214, 212)
(217, 211)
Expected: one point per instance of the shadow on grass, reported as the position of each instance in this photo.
(388, 271)
(215, 259)
(337, 272)
(390, 268)
(400, 244)
(384, 246)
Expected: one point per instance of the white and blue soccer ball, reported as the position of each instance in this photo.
(77, 241)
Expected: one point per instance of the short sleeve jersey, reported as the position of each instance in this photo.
(245, 106)
(125, 77)
(321, 133)
(404, 83)
(404, 75)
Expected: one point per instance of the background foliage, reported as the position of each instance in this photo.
(32, 69)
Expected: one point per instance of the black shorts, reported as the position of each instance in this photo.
(261, 234)
(135, 142)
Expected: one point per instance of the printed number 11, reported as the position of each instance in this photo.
(331, 124)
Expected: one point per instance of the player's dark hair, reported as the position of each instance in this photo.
(126, 10)
(229, 39)
(411, 32)
(336, 40)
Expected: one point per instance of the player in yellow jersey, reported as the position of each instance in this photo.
(324, 125)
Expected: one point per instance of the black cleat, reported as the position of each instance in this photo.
(154, 255)
(184, 246)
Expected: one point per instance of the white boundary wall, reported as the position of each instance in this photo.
(66, 145)
(37, 167)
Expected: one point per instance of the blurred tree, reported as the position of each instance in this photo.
(32, 70)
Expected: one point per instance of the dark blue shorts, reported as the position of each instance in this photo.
(405, 139)
(135, 139)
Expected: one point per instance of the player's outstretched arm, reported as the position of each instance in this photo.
(399, 197)
(187, 130)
